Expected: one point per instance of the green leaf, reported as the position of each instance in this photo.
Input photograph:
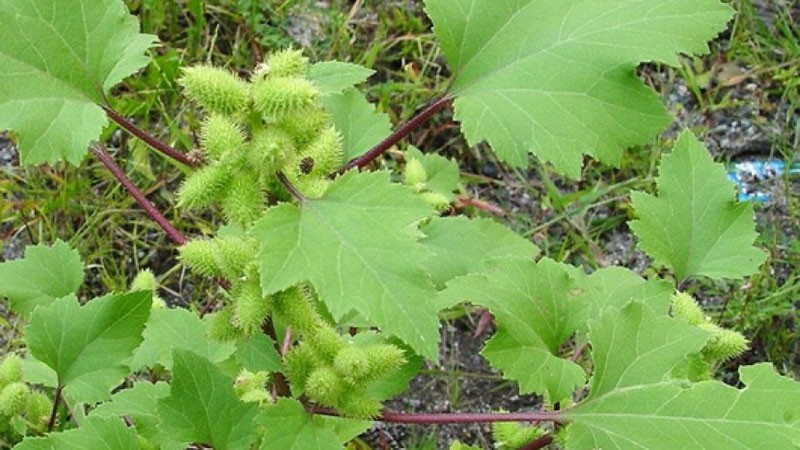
(258, 353)
(96, 433)
(536, 311)
(358, 121)
(170, 329)
(332, 77)
(443, 174)
(615, 287)
(635, 346)
(356, 246)
(290, 427)
(463, 246)
(202, 406)
(86, 345)
(556, 78)
(59, 60)
(708, 415)
(694, 225)
(140, 403)
(45, 274)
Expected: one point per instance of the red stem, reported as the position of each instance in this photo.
(538, 443)
(451, 418)
(401, 132)
(56, 400)
(147, 138)
(148, 207)
(290, 187)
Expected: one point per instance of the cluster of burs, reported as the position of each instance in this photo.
(275, 123)
(22, 410)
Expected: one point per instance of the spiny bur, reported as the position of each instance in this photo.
(203, 187)
(287, 63)
(221, 327)
(325, 152)
(270, 150)
(304, 126)
(295, 307)
(10, 370)
(13, 398)
(685, 307)
(352, 363)
(414, 174)
(37, 409)
(250, 306)
(325, 386)
(251, 387)
(146, 281)
(384, 359)
(277, 97)
(201, 256)
(220, 135)
(326, 342)
(215, 90)
(234, 255)
(243, 203)
(298, 365)
(724, 344)
(513, 435)
(358, 405)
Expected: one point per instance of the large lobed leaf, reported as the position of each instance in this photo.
(536, 310)
(356, 246)
(59, 59)
(96, 433)
(45, 274)
(86, 345)
(556, 77)
(635, 404)
(202, 406)
(694, 225)
(290, 427)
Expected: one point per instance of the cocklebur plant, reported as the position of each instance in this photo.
(332, 277)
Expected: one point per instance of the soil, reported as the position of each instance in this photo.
(750, 128)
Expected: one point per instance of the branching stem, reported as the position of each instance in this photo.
(290, 187)
(148, 207)
(451, 418)
(401, 132)
(540, 442)
(147, 138)
(56, 400)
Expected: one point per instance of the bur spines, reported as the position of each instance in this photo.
(513, 435)
(203, 187)
(351, 362)
(250, 306)
(724, 344)
(243, 203)
(685, 307)
(325, 151)
(277, 97)
(219, 135)
(214, 89)
(414, 174)
(325, 386)
(251, 386)
(10, 370)
(221, 327)
(295, 307)
(287, 63)
(304, 126)
(200, 256)
(270, 149)
(358, 405)
(13, 398)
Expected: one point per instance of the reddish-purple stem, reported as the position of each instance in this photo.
(290, 187)
(56, 400)
(450, 418)
(147, 138)
(287, 341)
(401, 132)
(148, 207)
(538, 443)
